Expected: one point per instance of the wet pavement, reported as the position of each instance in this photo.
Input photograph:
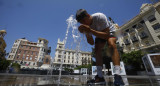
(71, 80)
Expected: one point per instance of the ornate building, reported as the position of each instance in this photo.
(70, 59)
(143, 31)
(29, 54)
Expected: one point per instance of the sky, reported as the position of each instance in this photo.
(35, 19)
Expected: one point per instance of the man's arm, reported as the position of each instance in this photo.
(90, 39)
(104, 34)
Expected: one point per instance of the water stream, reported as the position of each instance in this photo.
(72, 24)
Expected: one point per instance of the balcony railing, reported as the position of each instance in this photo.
(134, 40)
(127, 43)
(143, 36)
(125, 34)
(131, 31)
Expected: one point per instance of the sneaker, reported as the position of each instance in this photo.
(97, 80)
(118, 81)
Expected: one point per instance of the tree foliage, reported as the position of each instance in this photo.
(84, 66)
(4, 64)
(134, 59)
(68, 69)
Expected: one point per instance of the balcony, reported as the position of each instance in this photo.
(127, 43)
(134, 40)
(131, 31)
(140, 28)
(125, 34)
(143, 36)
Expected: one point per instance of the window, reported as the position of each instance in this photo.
(156, 26)
(142, 22)
(137, 46)
(125, 34)
(32, 53)
(158, 36)
(30, 58)
(147, 43)
(9, 56)
(127, 30)
(17, 57)
(134, 26)
(59, 56)
(19, 51)
(42, 59)
(27, 58)
(36, 53)
(47, 60)
(143, 35)
(23, 57)
(139, 26)
(59, 60)
(60, 46)
(127, 42)
(151, 18)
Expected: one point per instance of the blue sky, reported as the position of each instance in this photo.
(47, 18)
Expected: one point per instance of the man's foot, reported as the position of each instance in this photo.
(118, 81)
(97, 80)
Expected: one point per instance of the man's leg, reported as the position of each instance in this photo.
(115, 55)
(99, 79)
(116, 61)
(99, 58)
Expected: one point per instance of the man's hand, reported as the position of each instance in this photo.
(90, 39)
(84, 28)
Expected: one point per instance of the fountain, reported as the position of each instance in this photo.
(65, 80)
(72, 23)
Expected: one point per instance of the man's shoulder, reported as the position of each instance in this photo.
(98, 14)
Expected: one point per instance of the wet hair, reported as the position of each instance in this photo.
(81, 13)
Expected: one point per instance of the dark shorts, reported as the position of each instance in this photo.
(100, 40)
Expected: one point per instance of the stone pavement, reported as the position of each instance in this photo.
(71, 80)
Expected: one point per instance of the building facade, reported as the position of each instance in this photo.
(29, 54)
(71, 58)
(143, 31)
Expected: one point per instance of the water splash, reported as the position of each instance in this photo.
(72, 23)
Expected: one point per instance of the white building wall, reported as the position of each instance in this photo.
(70, 58)
(152, 38)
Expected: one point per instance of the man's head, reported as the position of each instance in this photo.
(83, 17)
